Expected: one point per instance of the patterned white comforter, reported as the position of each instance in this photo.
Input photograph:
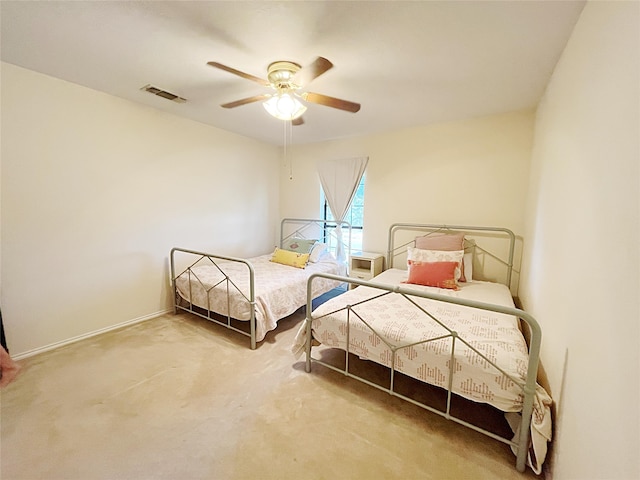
(279, 289)
(393, 320)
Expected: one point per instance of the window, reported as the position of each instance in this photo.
(355, 216)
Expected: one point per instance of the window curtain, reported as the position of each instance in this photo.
(340, 179)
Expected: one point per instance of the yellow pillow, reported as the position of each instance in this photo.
(293, 259)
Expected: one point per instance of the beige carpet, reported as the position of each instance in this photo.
(177, 397)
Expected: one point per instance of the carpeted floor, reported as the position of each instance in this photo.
(177, 397)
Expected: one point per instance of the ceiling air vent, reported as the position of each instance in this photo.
(163, 94)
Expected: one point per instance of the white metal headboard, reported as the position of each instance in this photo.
(493, 248)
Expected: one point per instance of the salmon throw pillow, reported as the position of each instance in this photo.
(418, 255)
(433, 274)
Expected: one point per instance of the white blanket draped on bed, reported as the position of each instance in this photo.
(395, 320)
(279, 289)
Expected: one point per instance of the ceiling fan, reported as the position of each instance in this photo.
(288, 79)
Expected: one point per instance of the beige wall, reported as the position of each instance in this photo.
(581, 248)
(96, 190)
(472, 172)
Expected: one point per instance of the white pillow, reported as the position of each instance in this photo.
(418, 255)
(317, 251)
(468, 266)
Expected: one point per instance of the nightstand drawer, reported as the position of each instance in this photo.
(361, 274)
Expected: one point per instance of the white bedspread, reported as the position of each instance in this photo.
(400, 324)
(279, 289)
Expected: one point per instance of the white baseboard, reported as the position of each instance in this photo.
(52, 346)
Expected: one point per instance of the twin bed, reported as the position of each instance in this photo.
(249, 296)
(464, 337)
(455, 327)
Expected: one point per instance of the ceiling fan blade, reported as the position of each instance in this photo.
(244, 101)
(261, 81)
(319, 66)
(297, 121)
(330, 102)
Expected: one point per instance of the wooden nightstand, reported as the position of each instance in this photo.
(365, 265)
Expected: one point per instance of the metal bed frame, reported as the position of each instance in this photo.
(521, 444)
(289, 228)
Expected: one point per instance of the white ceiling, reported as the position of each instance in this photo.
(407, 63)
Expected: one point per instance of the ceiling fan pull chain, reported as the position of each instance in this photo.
(290, 127)
(288, 137)
(284, 143)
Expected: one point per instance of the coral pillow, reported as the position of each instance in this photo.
(443, 241)
(293, 259)
(418, 255)
(433, 274)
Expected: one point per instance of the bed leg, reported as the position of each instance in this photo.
(252, 318)
(307, 366)
(175, 300)
(525, 426)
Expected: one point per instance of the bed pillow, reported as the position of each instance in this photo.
(299, 245)
(433, 274)
(287, 257)
(419, 255)
(467, 267)
(317, 251)
(443, 241)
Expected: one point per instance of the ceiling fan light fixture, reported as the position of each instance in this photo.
(284, 106)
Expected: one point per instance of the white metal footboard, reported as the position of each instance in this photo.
(227, 281)
(528, 387)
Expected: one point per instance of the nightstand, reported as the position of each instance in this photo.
(365, 265)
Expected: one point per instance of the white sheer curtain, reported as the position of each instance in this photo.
(340, 179)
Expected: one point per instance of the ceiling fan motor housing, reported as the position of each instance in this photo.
(281, 73)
